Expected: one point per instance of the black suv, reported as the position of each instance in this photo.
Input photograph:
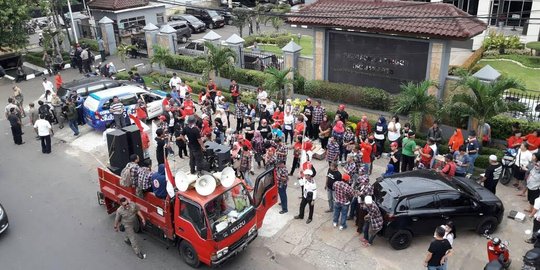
(416, 202)
(195, 24)
(87, 86)
(211, 18)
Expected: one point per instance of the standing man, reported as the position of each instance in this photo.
(239, 111)
(282, 176)
(195, 144)
(16, 126)
(492, 174)
(44, 130)
(235, 91)
(85, 57)
(438, 251)
(374, 221)
(473, 149)
(318, 113)
(47, 85)
(101, 47)
(309, 194)
(407, 152)
(72, 116)
(332, 176)
(435, 133)
(174, 82)
(127, 216)
(308, 110)
(343, 194)
(261, 98)
(117, 110)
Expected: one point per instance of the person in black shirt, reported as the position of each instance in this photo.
(161, 140)
(180, 140)
(265, 129)
(439, 250)
(395, 156)
(343, 115)
(492, 174)
(308, 111)
(15, 123)
(195, 145)
(265, 114)
(332, 176)
(249, 129)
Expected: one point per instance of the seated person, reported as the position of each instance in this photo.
(144, 178)
(515, 140)
(449, 169)
(159, 182)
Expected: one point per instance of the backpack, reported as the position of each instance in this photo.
(125, 176)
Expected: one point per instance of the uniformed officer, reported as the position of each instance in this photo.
(127, 215)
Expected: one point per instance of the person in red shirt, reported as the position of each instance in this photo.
(296, 154)
(299, 126)
(426, 154)
(515, 140)
(189, 106)
(58, 80)
(366, 150)
(533, 140)
(449, 169)
(278, 117)
(235, 91)
(363, 129)
(206, 130)
(166, 101)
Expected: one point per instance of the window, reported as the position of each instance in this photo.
(191, 46)
(160, 18)
(81, 91)
(131, 25)
(128, 100)
(95, 88)
(451, 200)
(200, 47)
(262, 184)
(149, 98)
(422, 202)
(193, 214)
(111, 84)
(227, 208)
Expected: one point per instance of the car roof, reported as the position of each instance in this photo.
(419, 181)
(84, 81)
(117, 91)
(176, 22)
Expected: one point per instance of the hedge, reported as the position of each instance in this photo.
(36, 58)
(366, 97)
(502, 126)
(279, 40)
(185, 63)
(92, 43)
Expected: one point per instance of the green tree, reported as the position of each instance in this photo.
(276, 22)
(483, 100)
(277, 82)
(13, 18)
(161, 54)
(415, 102)
(123, 50)
(243, 16)
(218, 60)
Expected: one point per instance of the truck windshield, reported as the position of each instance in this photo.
(227, 208)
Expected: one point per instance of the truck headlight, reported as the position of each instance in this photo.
(252, 230)
(222, 252)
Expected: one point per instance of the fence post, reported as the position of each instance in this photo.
(150, 32)
(236, 43)
(291, 53)
(212, 37)
(167, 38)
(107, 34)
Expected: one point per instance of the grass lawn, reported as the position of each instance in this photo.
(306, 42)
(528, 76)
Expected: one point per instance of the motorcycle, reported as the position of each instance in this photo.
(531, 259)
(508, 161)
(498, 253)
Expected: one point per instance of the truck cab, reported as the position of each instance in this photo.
(206, 229)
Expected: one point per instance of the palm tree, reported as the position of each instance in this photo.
(483, 100)
(243, 16)
(123, 51)
(218, 59)
(276, 22)
(415, 102)
(278, 80)
(160, 56)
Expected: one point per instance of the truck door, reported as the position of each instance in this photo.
(264, 194)
(153, 104)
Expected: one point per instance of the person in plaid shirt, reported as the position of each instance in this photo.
(350, 167)
(281, 151)
(374, 221)
(144, 178)
(332, 150)
(343, 193)
(245, 164)
(317, 115)
(270, 158)
(282, 177)
(239, 111)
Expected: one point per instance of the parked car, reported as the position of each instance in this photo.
(210, 17)
(183, 31)
(87, 86)
(228, 16)
(196, 25)
(416, 202)
(96, 106)
(193, 48)
(4, 223)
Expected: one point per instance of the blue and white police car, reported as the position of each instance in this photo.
(96, 105)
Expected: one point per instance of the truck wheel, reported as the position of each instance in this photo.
(488, 224)
(189, 255)
(401, 239)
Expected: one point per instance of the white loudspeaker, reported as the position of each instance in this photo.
(183, 181)
(205, 185)
(227, 177)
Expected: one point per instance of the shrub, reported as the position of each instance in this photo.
(123, 75)
(502, 126)
(370, 98)
(185, 63)
(92, 43)
(282, 41)
(501, 42)
(299, 83)
(248, 77)
(535, 45)
(248, 41)
(36, 58)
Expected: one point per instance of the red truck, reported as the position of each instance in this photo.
(208, 229)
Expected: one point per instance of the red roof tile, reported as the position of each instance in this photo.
(436, 20)
(116, 4)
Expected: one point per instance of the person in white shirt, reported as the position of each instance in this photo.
(47, 85)
(309, 196)
(174, 81)
(450, 234)
(535, 215)
(394, 129)
(270, 106)
(261, 98)
(44, 130)
(520, 168)
(183, 88)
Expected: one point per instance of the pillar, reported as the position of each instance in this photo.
(319, 40)
(166, 38)
(484, 7)
(291, 53)
(438, 66)
(78, 27)
(533, 31)
(150, 32)
(236, 43)
(108, 36)
(213, 37)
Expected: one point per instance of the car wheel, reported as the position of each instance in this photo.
(487, 225)
(189, 255)
(229, 22)
(506, 177)
(211, 26)
(137, 228)
(184, 39)
(401, 239)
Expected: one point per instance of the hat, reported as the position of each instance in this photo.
(368, 200)
(308, 100)
(162, 117)
(449, 156)
(204, 116)
(346, 177)
(394, 144)
(308, 172)
(493, 158)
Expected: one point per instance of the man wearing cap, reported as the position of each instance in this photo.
(449, 169)
(395, 156)
(407, 152)
(308, 111)
(195, 144)
(473, 147)
(374, 221)
(343, 193)
(492, 174)
(309, 194)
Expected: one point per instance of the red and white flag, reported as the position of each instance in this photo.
(171, 184)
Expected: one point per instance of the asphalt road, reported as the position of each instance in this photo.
(226, 31)
(55, 221)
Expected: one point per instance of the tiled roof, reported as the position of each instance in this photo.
(116, 4)
(436, 20)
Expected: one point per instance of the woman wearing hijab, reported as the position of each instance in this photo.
(456, 141)
(337, 133)
(381, 128)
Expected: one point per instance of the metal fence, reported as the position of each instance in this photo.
(256, 60)
(530, 100)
